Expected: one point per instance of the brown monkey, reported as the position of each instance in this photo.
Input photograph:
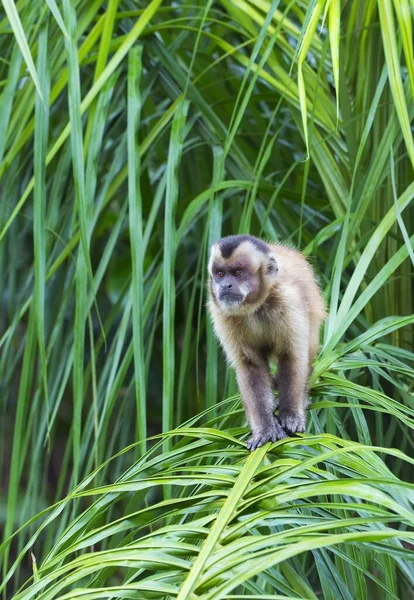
(266, 305)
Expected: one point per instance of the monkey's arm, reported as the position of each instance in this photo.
(293, 376)
(254, 383)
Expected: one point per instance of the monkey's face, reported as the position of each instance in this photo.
(232, 283)
(238, 272)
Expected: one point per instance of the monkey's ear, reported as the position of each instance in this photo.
(272, 267)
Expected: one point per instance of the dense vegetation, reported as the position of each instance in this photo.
(132, 135)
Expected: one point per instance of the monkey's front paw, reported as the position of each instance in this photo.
(271, 433)
(292, 422)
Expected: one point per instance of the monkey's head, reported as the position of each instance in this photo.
(242, 270)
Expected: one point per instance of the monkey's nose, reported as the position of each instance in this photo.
(227, 286)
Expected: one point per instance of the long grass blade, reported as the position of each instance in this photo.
(170, 249)
(39, 221)
(394, 73)
(136, 239)
(16, 25)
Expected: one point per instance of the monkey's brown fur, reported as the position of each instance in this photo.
(266, 305)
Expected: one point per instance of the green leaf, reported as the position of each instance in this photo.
(16, 25)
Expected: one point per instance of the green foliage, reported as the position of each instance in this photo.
(132, 135)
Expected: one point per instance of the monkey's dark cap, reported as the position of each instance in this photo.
(231, 242)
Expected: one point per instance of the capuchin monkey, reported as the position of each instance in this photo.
(266, 305)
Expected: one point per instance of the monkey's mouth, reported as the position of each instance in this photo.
(231, 298)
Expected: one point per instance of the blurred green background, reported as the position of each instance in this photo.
(133, 135)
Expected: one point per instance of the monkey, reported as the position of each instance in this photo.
(265, 305)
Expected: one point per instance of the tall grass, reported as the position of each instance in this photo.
(132, 135)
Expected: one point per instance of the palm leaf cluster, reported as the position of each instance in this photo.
(132, 135)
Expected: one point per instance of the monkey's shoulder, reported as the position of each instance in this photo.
(287, 251)
(293, 262)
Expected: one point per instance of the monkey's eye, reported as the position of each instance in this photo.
(237, 272)
(219, 274)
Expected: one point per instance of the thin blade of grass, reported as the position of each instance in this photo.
(304, 48)
(83, 265)
(16, 25)
(400, 221)
(54, 9)
(136, 240)
(388, 31)
(215, 220)
(39, 221)
(170, 248)
(334, 37)
(6, 99)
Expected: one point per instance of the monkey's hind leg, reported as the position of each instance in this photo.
(274, 379)
(255, 388)
(293, 375)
